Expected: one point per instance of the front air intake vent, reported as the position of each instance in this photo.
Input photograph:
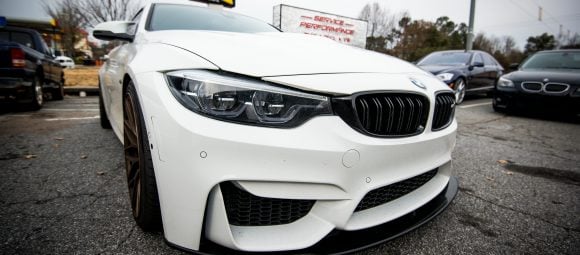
(245, 209)
(391, 192)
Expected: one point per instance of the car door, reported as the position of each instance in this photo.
(117, 64)
(491, 71)
(477, 75)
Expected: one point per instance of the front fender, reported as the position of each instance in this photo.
(159, 57)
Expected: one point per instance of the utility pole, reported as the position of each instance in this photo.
(469, 42)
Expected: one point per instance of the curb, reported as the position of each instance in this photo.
(78, 90)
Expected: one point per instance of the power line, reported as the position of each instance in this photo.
(533, 22)
(562, 28)
(531, 15)
(545, 10)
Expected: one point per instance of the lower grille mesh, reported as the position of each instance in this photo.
(245, 209)
(391, 192)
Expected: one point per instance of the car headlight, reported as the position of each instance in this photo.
(445, 76)
(505, 83)
(244, 100)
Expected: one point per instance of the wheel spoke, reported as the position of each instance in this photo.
(137, 204)
(131, 135)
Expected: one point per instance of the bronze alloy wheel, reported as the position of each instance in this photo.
(139, 165)
(133, 153)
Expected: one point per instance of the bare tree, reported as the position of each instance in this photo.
(509, 44)
(70, 20)
(489, 44)
(382, 24)
(97, 11)
(381, 20)
(74, 15)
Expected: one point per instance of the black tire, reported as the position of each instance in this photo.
(58, 93)
(490, 93)
(105, 123)
(37, 99)
(460, 88)
(506, 110)
(139, 165)
(497, 109)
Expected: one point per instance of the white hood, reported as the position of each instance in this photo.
(280, 54)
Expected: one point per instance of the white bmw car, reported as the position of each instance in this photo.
(240, 137)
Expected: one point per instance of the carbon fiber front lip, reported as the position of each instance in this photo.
(343, 242)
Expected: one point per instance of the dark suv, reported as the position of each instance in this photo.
(27, 68)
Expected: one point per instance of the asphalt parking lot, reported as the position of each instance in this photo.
(63, 189)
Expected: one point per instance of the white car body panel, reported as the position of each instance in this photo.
(311, 154)
(112, 74)
(254, 54)
(350, 83)
(305, 162)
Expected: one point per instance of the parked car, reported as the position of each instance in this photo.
(547, 79)
(470, 72)
(234, 132)
(65, 61)
(27, 68)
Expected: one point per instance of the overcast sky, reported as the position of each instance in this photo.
(517, 18)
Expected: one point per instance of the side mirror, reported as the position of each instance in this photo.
(114, 30)
(514, 66)
(474, 65)
(105, 58)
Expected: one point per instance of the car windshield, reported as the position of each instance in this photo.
(185, 17)
(553, 60)
(446, 58)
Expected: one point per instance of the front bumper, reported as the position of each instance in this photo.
(567, 103)
(323, 160)
(16, 89)
(341, 242)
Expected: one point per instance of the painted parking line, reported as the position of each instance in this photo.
(70, 110)
(76, 118)
(473, 105)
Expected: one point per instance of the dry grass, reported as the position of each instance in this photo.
(82, 76)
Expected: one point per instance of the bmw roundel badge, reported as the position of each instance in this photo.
(417, 83)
